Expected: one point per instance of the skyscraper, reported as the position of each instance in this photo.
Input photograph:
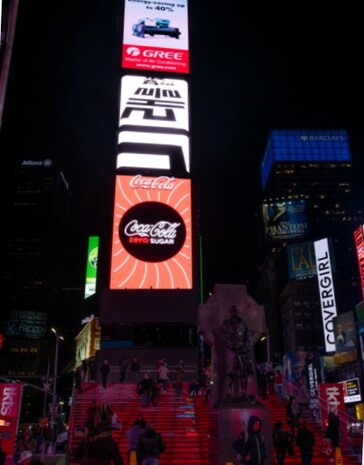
(308, 194)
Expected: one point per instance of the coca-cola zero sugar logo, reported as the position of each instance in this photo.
(152, 231)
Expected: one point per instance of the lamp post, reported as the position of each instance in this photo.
(54, 391)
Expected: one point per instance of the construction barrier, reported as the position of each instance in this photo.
(338, 456)
(133, 458)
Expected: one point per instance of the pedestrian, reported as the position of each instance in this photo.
(292, 414)
(92, 367)
(305, 440)
(150, 445)
(26, 458)
(123, 367)
(278, 384)
(282, 441)
(163, 376)
(133, 434)
(92, 416)
(178, 383)
(270, 375)
(99, 447)
(193, 388)
(105, 370)
(105, 412)
(78, 378)
(84, 365)
(254, 451)
(2, 454)
(262, 382)
(135, 368)
(148, 391)
(333, 433)
(25, 443)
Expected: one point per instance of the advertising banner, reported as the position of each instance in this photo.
(27, 323)
(10, 402)
(152, 233)
(91, 266)
(285, 219)
(153, 126)
(327, 291)
(301, 260)
(359, 244)
(156, 36)
(346, 341)
(332, 400)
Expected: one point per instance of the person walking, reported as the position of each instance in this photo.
(150, 445)
(105, 370)
(78, 374)
(292, 414)
(332, 433)
(254, 451)
(282, 440)
(305, 440)
(133, 434)
(278, 384)
(135, 368)
(99, 447)
(163, 376)
(92, 416)
(123, 367)
(92, 367)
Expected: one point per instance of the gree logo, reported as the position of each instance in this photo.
(133, 51)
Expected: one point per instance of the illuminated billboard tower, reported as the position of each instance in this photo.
(309, 194)
(151, 300)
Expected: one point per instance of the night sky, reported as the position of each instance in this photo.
(255, 66)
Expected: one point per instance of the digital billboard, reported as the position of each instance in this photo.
(91, 266)
(346, 340)
(27, 323)
(156, 36)
(286, 219)
(153, 125)
(152, 233)
(301, 260)
(327, 291)
(359, 244)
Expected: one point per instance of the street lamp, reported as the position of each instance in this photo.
(265, 337)
(54, 390)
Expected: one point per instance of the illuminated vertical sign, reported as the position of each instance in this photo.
(91, 266)
(10, 401)
(153, 125)
(359, 243)
(156, 36)
(327, 293)
(152, 237)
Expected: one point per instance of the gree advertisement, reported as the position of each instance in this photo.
(153, 125)
(285, 219)
(156, 36)
(152, 237)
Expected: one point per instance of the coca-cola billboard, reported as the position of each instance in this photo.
(152, 233)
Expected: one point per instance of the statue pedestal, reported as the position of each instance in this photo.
(233, 417)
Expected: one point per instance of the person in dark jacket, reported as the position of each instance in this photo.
(333, 432)
(282, 440)
(105, 370)
(305, 440)
(254, 452)
(99, 447)
(150, 445)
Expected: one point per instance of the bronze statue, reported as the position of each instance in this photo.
(235, 336)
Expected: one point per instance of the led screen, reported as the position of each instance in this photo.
(156, 36)
(285, 219)
(153, 125)
(359, 243)
(91, 266)
(301, 260)
(151, 246)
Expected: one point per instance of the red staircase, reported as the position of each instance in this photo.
(183, 421)
(277, 410)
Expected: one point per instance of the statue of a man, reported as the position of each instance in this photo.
(235, 336)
